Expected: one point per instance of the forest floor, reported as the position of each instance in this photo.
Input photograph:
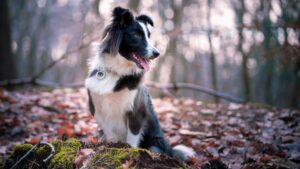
(241, 136)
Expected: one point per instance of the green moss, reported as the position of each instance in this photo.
(66, 154)
(18, 152)
(57, 144)
(73, 143)
(21, 149)
(2, 163)
(63, 159)
(114, 157)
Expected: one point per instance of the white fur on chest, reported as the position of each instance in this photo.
(110, 113)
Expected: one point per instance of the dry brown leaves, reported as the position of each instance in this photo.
(242, 136)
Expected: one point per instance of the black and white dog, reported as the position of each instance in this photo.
(120, 103)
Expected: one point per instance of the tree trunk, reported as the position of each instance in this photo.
(269, 63)
(7, 69)
(212, 54)
(245, 73)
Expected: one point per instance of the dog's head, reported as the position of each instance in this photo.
(129, 36)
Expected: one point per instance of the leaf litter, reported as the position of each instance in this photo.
(241, 136)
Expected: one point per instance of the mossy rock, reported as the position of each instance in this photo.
(106, 155)
(63, 157)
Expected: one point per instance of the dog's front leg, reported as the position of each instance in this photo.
(133, 139)
(134, 130)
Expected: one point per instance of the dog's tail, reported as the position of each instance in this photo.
(183, 152)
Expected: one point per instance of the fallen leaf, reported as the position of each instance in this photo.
(264, 159)
(194, 161)
(65, 130)
(213, 152)
(127, 164)
(174, 140)
(82, 156)
(295, 156)
(33, 140)
(192, 133)
(92, 140)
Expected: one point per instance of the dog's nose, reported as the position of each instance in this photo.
(155, 53)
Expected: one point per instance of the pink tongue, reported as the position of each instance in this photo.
(143, 62)
(145, 65)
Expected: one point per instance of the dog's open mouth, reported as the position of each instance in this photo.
(142, 62)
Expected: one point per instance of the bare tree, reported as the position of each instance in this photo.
(7, 68)
(239, 8)
(212, 53)
(269, 63)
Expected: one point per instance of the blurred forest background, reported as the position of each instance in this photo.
(246, 48)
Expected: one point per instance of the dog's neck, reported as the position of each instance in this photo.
(120, 74)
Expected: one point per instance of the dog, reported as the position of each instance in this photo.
(119, 102)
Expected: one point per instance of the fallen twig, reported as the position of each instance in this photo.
(55, 84)
(190, 86)
(38, 82)
(163, 86)
(52, 109)
(67, 53)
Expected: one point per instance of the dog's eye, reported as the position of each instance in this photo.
(138, 34)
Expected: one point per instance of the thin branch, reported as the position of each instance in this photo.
(163, 86)
(38, 82)
(50, 65)
(16, 82)
(65, 55)
(57, 85)
(190, 86)
(34, 79)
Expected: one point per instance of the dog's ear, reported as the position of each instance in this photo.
(122, 17)
(145, 19)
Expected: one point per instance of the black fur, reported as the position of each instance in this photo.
(93, 73)
(91, 104)
(135, 120)
(153, 136)
(129, 81)
(146, 19)
(121, 18)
